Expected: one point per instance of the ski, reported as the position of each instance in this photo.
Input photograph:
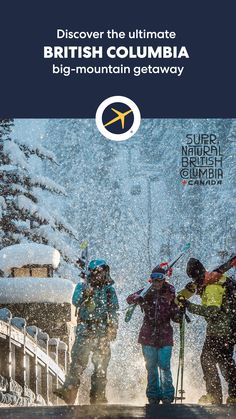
(131, 308)
(83, 259)
(230, 263)
(182, 252)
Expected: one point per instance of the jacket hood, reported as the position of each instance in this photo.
(195, 268)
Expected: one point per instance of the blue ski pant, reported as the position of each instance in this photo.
(159, 377)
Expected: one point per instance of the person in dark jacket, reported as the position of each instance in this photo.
(218, 309)
(156, 335)
(97, 306)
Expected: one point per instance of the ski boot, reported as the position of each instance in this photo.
(231, 400)
(68, 394)
(209, 399)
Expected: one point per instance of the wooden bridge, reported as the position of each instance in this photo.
(32, 364)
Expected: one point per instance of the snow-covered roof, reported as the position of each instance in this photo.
(19, 255)
(35, 290)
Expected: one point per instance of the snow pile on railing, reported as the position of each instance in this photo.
(23, 254)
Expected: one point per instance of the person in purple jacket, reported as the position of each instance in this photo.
(156, 335)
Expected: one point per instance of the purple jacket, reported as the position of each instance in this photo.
(159, 308)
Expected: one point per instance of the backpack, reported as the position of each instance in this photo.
(229, 302)
(230, 292)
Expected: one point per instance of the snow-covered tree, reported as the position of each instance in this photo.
(25, 213)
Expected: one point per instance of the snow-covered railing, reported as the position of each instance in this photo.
(32, 365)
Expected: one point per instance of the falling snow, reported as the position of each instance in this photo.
(128, 201)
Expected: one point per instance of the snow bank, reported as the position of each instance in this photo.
(19, 255)
(35, 290)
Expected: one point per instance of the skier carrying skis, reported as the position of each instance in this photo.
(156, 334)
(217, 293)
(97, 306)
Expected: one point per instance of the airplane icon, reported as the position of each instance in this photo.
(121, 117)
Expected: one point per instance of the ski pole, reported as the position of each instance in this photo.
(180, 372)
(182, 360)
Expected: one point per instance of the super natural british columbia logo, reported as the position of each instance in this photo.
(201, 160)
(118, 118)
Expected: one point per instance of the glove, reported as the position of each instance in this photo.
(182, 302)
(138, 300)
(88, 293)
(190, 286)
(88, 300)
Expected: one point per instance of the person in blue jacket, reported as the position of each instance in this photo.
(97, 308)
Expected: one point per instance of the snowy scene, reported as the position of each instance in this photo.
(69, 197)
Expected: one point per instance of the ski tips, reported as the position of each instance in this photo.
(186, 247)
(84, 244)
(129, 312)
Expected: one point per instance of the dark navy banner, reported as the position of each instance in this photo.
(63, 58)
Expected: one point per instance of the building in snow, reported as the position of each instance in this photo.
(29, 288)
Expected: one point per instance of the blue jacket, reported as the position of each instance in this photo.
(102, 307)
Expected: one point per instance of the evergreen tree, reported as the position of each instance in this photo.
(24, 211)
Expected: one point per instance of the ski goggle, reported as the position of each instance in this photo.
(157, 276)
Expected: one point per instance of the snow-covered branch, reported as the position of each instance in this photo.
(15, 155)
(46, 183)
(42, 152)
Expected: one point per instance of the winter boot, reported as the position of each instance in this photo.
(209, 399)
(167, 401)
(98, 399)
(68, 394)
(153, 401)
(231, 400)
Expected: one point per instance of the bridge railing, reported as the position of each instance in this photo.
(31, 364)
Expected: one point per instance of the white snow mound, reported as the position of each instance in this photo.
(19, 255)
(36, 290)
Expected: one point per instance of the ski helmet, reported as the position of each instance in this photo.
(195, 268)
(96, 263)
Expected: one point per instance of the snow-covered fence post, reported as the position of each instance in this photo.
(62, 355)
(6, 316)
(53, 350)
(19, 352)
